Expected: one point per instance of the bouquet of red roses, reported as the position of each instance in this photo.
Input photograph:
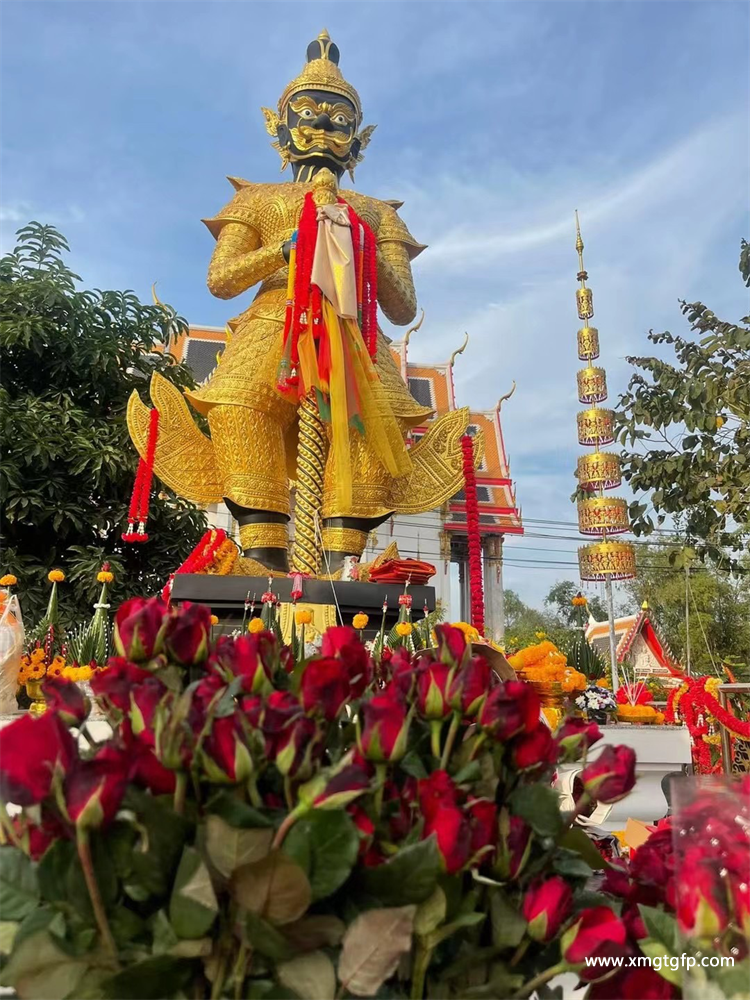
(257, 826)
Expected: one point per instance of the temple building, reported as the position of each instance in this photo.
(640, 645)
(439, 536)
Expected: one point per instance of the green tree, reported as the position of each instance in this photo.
(718, 603)
(691, 422)
(525, 625)
(71, 359)
(559, 601)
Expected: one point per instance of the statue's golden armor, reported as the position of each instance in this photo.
(251, 455)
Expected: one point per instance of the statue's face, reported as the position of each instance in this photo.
(320, 126)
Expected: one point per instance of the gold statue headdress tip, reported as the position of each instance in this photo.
(321, 72)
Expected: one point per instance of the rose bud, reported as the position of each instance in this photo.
(66, 699)
(451, 829)
(249, 657)
(365, 828)
(187, 634)
(404, 672)
(32, 751)
(702, 904)
(383, 728)
(470, 686)
(94, 789)
(534, 751)
(435, 791)
(324, 687)
(298, 747)
(616, 881)
(546, 906)
(224, 754)
(115, 683)
(611, 776)
(342, 788)
(510, 708)
(482, 816)
(280, 710)
(595, 928)
(741, 902)
(451, 644)
(140, 625)
(148, 772)
(343, 643)
(144, 701)
(643, 983)
(574, 736)
(432, 691)
(513, 846)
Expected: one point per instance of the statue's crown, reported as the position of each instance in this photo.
(321, 72)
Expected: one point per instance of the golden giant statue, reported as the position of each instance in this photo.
(307, 393)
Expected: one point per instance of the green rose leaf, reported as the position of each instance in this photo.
(539, 806)
(275, 888)
(508, 926)
(431, 913)
(576, 840)
(571, 863)
(193, 907)
(19, 892)
(661, 926)
(655, 949)
(39, 970)
(325, 846)
(229, 848)
(147, 980)
(317, 931)
(265, 939)
(237, 813)
(372, 948)
(311, 976)
(409, 877)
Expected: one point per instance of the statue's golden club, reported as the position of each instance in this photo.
(261, 442)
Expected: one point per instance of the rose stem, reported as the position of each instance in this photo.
(450, 740)
(436, 726)
(421, 962)
(87, 864)
(380, 772)
(543, 977)
(180, 790)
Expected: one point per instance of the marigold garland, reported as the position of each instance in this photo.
(139, 501)
(698, 706)
(472, 531)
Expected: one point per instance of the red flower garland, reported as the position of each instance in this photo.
(201, 557)
(139, 501)
(697, 704)
(472, 531)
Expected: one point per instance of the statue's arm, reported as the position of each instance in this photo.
(396, 294)
(239, 260)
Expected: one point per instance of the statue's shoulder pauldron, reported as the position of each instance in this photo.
(384, 218)
(261, 206)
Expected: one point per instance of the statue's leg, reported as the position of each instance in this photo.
(251, 459)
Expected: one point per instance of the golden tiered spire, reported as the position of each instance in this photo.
(599, 471)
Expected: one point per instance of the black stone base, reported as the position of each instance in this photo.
(225, 595)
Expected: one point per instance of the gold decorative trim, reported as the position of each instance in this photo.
(263, 535)
(596, 426)
(607, 561)
(585, 303)
(600, 471)
(349, 540)
(311, 461)
(592, 384)
(588, 343)
(323, 618)
(602, 514)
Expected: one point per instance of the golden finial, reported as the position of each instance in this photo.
(644, 606)
(324, 36)
(460, 350)
(579, 248)
(413, 329)
(506, 396)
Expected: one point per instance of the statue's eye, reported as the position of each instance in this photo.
(341, 120)
(306, 113)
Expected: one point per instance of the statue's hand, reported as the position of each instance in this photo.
(286, 249)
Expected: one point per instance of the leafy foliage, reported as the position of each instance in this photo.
(691, 421)
(71, 359)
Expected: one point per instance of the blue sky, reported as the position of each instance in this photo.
(495, 121)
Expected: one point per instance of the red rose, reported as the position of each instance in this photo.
(298, 747)
(94, 789)
(611, 776)
(249, 657)
(365, 828)
(342, 788)
(38, 837)
(32, 751)
(399, 806)
(594, 928)
(404, 672)
(383, 731)
(702, 903)
(187, 634)
(633, 984)
(206, 695)
(482, 816)
(470, 686)
(435, 791)
(510, 708)
(535, 750)
(280, 710)
(741, 903)
(324, 687)
(343, 643)
(451, 644)
(634, 925)
(574, 736)
(224, 753)
(145, 698)
(140, 625)
(148, 772)
(448, 824)
(115, 682)
(514, 845)
(432, 691)
(66, 699)
(546, 905)
(616, 882)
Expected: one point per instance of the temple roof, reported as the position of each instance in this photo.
(431, 385)
(627, 629)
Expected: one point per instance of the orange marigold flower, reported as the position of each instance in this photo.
(214, 620)
(105, 576)
(8, 580)
(303, 617)
(36, 671)
(360, 621)
(255, 625)
(404, 628)
(56, 576)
